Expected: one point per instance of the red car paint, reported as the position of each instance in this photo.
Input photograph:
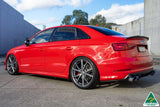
(54, 58)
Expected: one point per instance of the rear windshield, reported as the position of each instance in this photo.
(105, 31)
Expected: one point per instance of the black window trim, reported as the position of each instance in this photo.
(52, 34)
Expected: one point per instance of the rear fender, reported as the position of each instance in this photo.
(91, 54)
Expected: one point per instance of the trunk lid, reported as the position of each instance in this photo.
(139, 44)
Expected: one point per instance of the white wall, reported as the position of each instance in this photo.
(152, 24)
(133, 28)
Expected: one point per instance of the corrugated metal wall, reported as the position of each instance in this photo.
(13, 28)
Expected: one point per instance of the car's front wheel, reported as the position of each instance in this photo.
(84, 73)
(12, 65)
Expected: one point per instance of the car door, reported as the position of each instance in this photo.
(61, 49)
(32, 56)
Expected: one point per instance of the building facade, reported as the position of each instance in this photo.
(13, 28)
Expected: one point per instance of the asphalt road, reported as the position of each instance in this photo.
(37, 91)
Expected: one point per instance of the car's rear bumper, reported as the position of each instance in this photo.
(121, 68)
(141, 73)
(136, 76)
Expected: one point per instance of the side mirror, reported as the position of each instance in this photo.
(27, 42)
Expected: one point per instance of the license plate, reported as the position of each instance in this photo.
(141, 49)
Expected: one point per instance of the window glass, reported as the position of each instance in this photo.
(42, 37)
(64, 33)
(82, 35)
(105, 31)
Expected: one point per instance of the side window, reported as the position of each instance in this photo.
(64, 33)
(82, 35)
(42, 37)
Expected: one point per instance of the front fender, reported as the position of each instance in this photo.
(13, 52)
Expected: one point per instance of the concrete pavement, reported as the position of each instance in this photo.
(2, 60)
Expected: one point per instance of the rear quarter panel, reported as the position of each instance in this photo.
(98, 48)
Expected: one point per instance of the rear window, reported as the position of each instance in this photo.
(105, 31)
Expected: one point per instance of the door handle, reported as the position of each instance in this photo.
(69, 48)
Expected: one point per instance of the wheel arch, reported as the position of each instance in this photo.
(89, 57)
(11, 53)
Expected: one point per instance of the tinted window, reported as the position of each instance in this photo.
(82, 35)
(42, 37)
(64, 33)
(105, 31)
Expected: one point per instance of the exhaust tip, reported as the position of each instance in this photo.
(134, 78)
(152, 73)
(131, 79)
(137, 78)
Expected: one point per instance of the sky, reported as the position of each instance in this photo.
(51, 12)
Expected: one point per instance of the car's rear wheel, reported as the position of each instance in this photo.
(12, 65)
(84, 73)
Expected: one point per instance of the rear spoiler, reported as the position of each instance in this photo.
(138, 36)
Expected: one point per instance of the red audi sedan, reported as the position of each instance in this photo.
(85, 54)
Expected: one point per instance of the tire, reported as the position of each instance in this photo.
(12, 65)
(84, 73)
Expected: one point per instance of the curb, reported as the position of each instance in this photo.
(156, 61)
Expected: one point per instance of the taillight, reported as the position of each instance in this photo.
(122, 46)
